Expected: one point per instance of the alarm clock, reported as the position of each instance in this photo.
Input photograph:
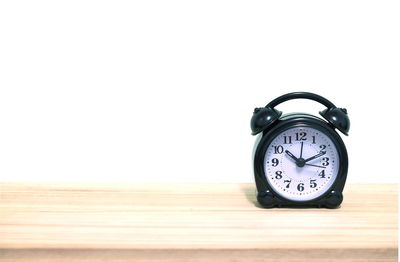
(300, 160)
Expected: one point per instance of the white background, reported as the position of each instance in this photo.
(160, 91)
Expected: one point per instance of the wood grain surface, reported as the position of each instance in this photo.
(190, 222)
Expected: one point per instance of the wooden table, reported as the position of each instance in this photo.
(190, 222)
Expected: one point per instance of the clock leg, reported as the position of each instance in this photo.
(334, 199)
(266, 199)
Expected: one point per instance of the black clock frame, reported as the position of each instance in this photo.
(266, 196)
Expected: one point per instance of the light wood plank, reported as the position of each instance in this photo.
(197, 221)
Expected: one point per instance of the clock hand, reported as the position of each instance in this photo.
(301, 150)
(316, 156)
(291, 155)
(315, 165)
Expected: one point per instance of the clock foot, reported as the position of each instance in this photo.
(266, 199)
(333, 200)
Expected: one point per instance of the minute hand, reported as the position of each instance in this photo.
(316, 156)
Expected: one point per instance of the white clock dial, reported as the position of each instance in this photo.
(301, 163)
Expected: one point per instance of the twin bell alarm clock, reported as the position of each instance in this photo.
(300, 159)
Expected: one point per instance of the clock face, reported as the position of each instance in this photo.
(301, 163)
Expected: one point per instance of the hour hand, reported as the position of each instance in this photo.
(291, 155)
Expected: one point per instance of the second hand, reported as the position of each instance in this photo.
(315, 165)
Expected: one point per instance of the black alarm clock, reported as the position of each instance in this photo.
(300, 159)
